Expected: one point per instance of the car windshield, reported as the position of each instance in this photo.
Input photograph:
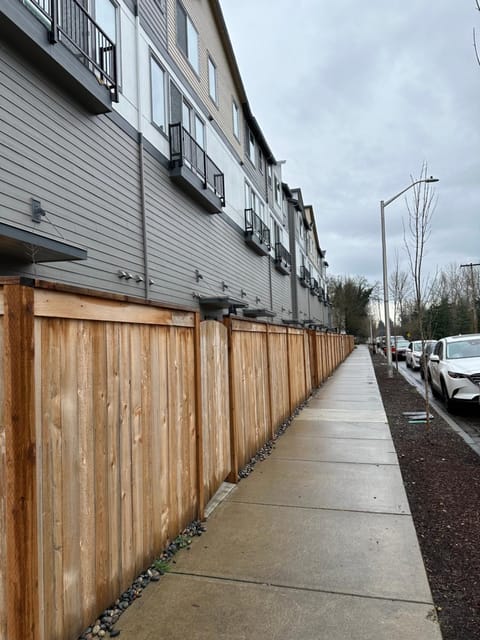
(463, 349)
(417, 346)
(401, 344)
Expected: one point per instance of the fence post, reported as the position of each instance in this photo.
(22, 571)
(199, 425)
(233, 476)
(269, 373)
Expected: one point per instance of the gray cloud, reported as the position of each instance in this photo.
(356, 96)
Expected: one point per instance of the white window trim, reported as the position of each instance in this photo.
(192, 53)
(235, 120)
(161, 126)
(212, 66)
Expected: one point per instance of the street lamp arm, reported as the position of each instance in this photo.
(383, 204)
(387, 202)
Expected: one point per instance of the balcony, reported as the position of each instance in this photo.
(314, 287)
(257, 234)
(304, 277)
(61, 39)
(283, 262)
(194, 171)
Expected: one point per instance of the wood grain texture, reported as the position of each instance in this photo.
(20, 475)
(3, 524)
(215, 405)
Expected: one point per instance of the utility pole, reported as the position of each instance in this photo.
(474, 294)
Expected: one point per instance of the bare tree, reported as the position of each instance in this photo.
(477, 2)
(420, 211)
(400, 290)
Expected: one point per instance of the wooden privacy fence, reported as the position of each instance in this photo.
(118, 421)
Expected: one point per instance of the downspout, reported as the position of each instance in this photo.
(141, 152)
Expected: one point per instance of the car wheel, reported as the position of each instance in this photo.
(407, 363)
(448, 402)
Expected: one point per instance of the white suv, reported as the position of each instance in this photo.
(454, 369)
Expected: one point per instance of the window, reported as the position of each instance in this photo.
(199, 132)
(187, 116)
(260, 162)
(277, 191)
(236, 130)
(251, 147)
(269, 174)
(253, 202)
(276, 231)
(187, 37)
(212, 80)
(106, 18)
(157, 87)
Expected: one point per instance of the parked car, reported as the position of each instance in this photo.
(413, 353)
(454, 369)
(413, 356)
(399, 347)
(425, 356)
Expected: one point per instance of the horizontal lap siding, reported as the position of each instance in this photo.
(281, 295)
(119, 472)
(183, 238)
(154, 20)
(82, 168)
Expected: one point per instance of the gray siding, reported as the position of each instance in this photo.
(253, 174)
(84, 171)
(281, 294)
(182, 238)
(154, 20)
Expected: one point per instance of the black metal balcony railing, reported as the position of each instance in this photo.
(255, 225)
(69, 23)
(281, 254)
(184, 149)
(313, 286)
(304, 276)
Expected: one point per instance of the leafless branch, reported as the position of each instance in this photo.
(475, 44)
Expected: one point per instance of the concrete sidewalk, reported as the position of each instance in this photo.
(317, 544)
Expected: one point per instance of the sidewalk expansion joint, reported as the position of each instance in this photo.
(370, 464)
(306, 508)
(275, 585)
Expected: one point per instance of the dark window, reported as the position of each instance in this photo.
(187, 37)
(176, 100)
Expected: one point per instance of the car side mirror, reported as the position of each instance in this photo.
(434, 358)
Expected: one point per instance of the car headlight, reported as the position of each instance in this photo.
(455, 374)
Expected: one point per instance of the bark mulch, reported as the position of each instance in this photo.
(441, 475)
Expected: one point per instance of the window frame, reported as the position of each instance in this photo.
(154, 61)
(276, 191)
(212, 66)
(192, 57)
(251, 147)
(116, 40)
(235, 120)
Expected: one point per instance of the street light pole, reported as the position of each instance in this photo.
(383, 204)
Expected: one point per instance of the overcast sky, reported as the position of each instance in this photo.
(355, 96)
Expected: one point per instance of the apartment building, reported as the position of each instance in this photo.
(131, 162)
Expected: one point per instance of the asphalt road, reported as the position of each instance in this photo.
(466, 418)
